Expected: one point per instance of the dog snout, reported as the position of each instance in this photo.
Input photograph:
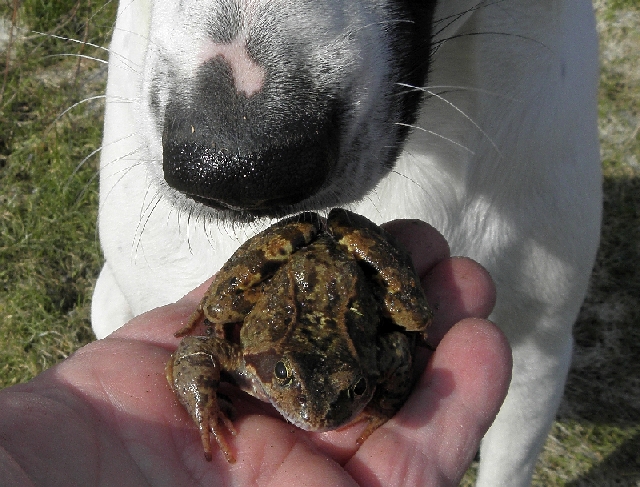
(254, 145)
(286, 106)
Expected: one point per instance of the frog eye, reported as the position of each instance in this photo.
(281, 371)
(359, 389)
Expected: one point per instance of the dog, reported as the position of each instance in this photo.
(476, 116)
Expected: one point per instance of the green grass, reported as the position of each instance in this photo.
(49, 252)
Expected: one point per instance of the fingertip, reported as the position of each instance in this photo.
(481, 354)
(424, 243)
(463, 387)
(435, 435)
(457, 288)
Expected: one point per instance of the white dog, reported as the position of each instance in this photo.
(478, 117)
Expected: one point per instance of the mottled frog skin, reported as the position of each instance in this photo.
(329, 314)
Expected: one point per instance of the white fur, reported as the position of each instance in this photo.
(505, 163)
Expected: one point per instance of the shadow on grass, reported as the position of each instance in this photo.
(624, 461)
(603, 388)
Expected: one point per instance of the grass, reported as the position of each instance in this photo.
(49, 253)
(50, 257)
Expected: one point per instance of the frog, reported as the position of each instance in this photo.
(319, 317)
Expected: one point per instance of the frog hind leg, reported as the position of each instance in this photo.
(395, 362)
(193, 372)
(398, 285)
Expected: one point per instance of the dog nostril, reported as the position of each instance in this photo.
(263, 179)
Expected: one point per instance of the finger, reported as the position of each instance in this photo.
(269, 452)
(435, 436)
(424, 243)
(158, 325)
(474, 362)
(457, 288)
(280, 455)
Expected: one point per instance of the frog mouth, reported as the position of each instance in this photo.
(319, 422)
(315, 417)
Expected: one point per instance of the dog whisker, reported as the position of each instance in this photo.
(90, 155)
(142, 223)
(78, 103)
(121, 58)
(125, 170)
(80, 164)
(437, 44)
(81, 56)
(435, 134)
(454, 18)
(71, 40)
(439, 96)
(456, 88)
(86, 187)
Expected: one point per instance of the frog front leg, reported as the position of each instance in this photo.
(395, 363)
(235, 289)
(193, 372)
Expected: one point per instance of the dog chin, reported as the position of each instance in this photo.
(213, 210)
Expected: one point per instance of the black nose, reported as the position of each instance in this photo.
(255, 152)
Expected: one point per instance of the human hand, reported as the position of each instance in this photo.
(106, 415)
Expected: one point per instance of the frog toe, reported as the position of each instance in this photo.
(219, 425)
(374, 420)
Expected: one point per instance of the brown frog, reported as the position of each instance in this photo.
(329, 316)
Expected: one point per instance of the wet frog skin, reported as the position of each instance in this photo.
(329, 314)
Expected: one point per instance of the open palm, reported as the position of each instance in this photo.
(106, 415)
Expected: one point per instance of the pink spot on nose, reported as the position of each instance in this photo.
(248, 76)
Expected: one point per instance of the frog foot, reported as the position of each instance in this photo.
(213, 420)
(194, 375)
